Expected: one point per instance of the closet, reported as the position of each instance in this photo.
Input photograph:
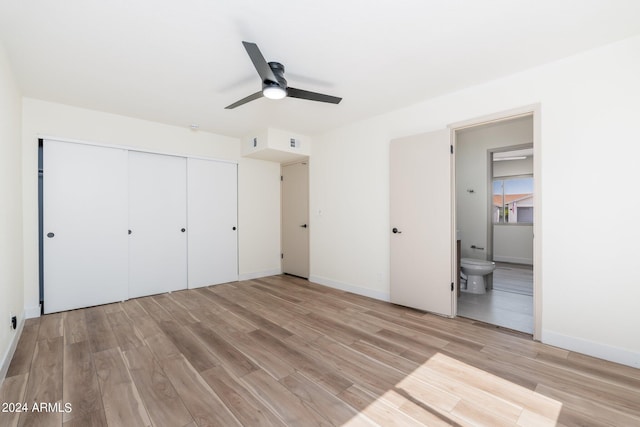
(120, 223)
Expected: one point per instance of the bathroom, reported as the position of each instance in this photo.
(494, 222)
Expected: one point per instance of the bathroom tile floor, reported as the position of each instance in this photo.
(509, 309)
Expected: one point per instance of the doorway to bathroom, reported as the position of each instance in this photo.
(494, 175)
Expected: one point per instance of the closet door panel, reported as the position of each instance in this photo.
(85, 225)
(158, 221)
(212, 211)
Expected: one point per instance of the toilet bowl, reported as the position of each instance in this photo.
(476, 269)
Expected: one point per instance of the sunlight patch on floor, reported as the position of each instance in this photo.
(446, 391)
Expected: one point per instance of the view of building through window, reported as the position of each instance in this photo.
(513, 200)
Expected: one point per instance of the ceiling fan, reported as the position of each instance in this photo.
(274, 85)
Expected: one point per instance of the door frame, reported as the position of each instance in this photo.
(533, 110)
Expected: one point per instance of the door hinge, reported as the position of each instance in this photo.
(281, 178)
(451, 286)
(451, 146)
(281, 256)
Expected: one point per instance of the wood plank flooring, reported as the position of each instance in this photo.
(281, 351)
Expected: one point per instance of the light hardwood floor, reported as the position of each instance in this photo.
(283, 351)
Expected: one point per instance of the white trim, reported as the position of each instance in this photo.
(500, 116)
(382, 296)
(8, 355)
(32, 312)
(591, 348)
(259, 274)
(129, 148)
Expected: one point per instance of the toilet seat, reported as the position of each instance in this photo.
(478, 262)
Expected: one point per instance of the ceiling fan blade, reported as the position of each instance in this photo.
(262, 67)
(312, 96)
(244, 100)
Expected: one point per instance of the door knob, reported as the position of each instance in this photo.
(233, 228)
(396, 231)
(128, 231)
(50, 235)
(183, 229)
(304, 226)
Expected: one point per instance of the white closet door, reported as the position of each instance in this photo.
(85, 225)
(158, 221)
(213, 205)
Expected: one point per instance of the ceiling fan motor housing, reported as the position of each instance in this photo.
(278, 71)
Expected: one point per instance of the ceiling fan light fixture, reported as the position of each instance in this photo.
(274, 85)
(274, 92)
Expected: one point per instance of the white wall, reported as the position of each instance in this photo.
(259, 218)
(11, 277)
(349, 210)
(513, 243)
(472, 173)
(258, 181)
(589, 109)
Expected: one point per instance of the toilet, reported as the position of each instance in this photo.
(475, 270)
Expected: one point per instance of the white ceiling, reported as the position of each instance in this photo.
(182, 62)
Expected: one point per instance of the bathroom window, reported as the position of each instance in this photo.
(513, 200)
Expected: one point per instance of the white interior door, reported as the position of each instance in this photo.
(158, 222)
(85, 225)
(295, 219)
(212, 221)
(421, 253)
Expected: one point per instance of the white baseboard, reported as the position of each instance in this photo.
(8, 355)
(32, 312)
(259, 274)
(382, 296)
(590, 348)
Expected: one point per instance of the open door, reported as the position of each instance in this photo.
(295, 219)
(421, 233)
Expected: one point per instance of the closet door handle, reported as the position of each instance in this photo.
(50, 235)
(128, 231)
(233, 228)
(183, 229)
